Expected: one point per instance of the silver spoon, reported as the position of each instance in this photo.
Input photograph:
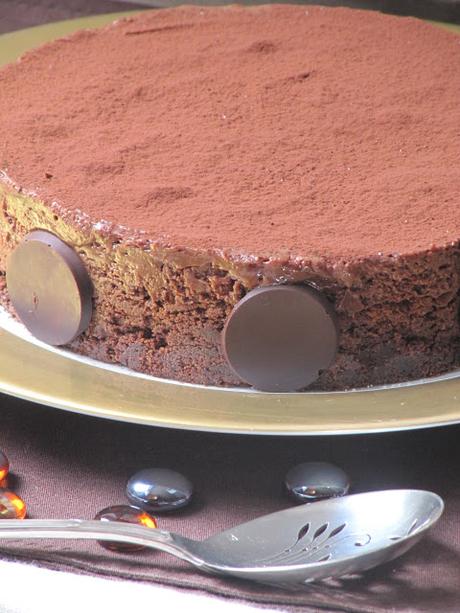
(291, 547)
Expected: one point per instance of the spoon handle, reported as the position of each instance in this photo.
(96, 530)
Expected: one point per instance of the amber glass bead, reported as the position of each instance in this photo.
(128, 514)
(11, 506)
(4, 466)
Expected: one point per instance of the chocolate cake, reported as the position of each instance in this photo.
(191, 156)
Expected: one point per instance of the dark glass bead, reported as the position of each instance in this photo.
(312, 481)
(159, 489)
(11, 506)
(128, 514)
(4, 466)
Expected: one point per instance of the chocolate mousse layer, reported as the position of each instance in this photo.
(193, 154)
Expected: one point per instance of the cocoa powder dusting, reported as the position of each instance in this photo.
(315, 131)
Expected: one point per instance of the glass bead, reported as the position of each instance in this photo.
(312, 481)
(159, 489)
(11, 506)
(4, 466)
(130, 515)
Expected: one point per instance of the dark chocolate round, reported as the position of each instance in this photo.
(278, 338)
(49, 288)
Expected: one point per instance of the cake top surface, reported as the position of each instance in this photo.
(307, 130)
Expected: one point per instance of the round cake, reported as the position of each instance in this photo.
(251, 191)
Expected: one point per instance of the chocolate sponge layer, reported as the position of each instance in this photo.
(162, 311)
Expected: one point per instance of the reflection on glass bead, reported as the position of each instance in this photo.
(130, 515)
(312, 481)
(4, 466)
(11, 506)
(159, 489)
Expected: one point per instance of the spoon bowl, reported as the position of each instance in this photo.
(330, 538)
(313, 541)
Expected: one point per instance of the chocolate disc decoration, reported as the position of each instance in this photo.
(278, 338)
(49, 288)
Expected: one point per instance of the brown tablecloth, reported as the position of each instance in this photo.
(16, 14)
(68, 465)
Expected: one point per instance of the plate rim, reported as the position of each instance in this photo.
(31, 388)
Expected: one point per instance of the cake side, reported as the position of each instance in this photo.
(162, 311)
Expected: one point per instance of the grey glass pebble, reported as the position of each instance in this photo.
(159, 489)
(312, 481)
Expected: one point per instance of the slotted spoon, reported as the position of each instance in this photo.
(305, 543)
